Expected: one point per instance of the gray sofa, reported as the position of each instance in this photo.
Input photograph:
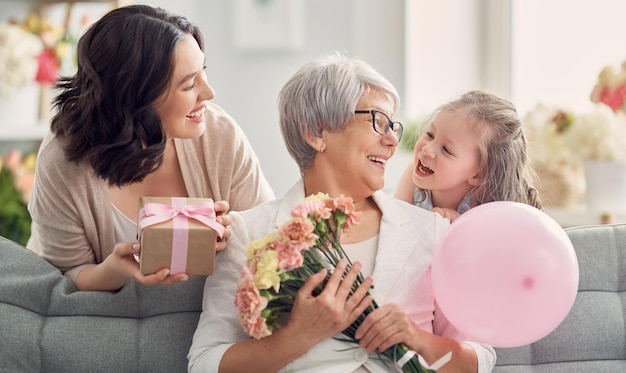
(592, 338)
(46, 326)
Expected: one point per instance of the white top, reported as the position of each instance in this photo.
(125, 228)
(364, 252)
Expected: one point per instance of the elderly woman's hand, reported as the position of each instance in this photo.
(315, 318)
(385, 327)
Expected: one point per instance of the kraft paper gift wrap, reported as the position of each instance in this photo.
(177, 233)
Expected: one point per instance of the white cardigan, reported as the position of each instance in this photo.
(407, 239)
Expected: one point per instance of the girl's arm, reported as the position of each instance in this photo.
(406, 188)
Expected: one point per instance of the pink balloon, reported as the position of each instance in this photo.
(505, 274)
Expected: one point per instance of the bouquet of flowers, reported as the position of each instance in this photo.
(279, 264)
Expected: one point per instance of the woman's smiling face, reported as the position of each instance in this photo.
(182, 107)
(356, 156)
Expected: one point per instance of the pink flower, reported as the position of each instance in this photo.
(613, 97)
(248, 300)
(289, 257)
(23, 170)
(13, 161)
(316, 208)
(258, 328)
(299, 232)
(48, 67)
(346, 205)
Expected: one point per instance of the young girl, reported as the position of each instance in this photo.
(472, 152)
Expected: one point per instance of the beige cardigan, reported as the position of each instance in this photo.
(71, 209)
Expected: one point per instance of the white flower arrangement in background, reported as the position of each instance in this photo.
(19, 50)
(545, 127)
(558, 136)
(599, 135)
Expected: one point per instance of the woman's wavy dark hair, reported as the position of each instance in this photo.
(106, 114)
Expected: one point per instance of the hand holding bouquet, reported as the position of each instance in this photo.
(279, 264)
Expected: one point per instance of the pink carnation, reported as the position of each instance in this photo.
(248, 300)
(346, 205)
(289, 257)
(317, 208)
(258, 328)
(299, 232)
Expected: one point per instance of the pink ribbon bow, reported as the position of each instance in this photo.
(180, 213)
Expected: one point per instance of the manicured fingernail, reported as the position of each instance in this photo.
(135, 247)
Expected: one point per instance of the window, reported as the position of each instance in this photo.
(528, 51)
(559, 47)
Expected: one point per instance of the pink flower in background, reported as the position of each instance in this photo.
(48, 67)
(23, 170)
(57, 43)
(611, 87)
(613, 97)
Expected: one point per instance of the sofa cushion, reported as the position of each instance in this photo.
(48, 326)
(592, 338)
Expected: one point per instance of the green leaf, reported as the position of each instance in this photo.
(15, 220)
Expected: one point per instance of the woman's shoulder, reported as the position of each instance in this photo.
(409, 217)
(395, 205)
(264, 213)
(217, 118)
(51, 150)
(51, 161)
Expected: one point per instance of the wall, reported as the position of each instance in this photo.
(558, 55)
(247, 82)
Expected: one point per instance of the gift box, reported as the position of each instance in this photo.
(177, 233)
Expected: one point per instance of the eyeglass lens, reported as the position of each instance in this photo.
(382, 124)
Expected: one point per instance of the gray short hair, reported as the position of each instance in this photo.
(323, 94)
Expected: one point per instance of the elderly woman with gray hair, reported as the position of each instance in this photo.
(335, 117)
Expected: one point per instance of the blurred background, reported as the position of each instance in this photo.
(538, 54)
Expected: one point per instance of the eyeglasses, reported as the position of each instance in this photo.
(382, 123)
